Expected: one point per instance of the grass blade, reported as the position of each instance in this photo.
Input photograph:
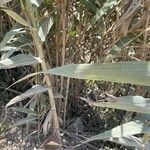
(45, 27)
(124, 72)
(18, 60)
(128, 103)
(15, 16)
(36, 89)
(131, 141)
(124, 130)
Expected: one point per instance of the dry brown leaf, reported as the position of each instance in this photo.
(47, 123)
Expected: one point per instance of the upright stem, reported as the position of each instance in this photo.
(63, 16)
(38, 46)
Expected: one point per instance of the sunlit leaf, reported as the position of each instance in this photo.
(123, 72)
(131, 141)
(18, 60)
(7, 48)
(45, 27)
(36, 89)
(7, 55)
(36, 2)
(124, 130)
(16, 29)
(16, 47)
(128, 103)
(15, 16)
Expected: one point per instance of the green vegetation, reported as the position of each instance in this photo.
(85, 55)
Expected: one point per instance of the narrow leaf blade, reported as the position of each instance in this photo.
(129, 103)
(131, 141)
(18, 60)
(15, 16)
(16, 29)
(45, 28)
(36, 89)
(124, 130)
(124, 72)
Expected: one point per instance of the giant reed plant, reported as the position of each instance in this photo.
(117, 37)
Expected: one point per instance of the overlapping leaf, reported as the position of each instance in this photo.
(107, 6)
(8, 48)
(130, 141)
(15, 16)
(16, 29)
(124, 130)
(44, 28)
(128, 103)
(123, 72)
(18, 60)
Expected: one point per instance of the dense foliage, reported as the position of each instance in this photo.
(98, 51)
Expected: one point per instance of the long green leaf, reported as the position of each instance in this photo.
(124, 130)
(128, 103)
(16, 29)
(15, 16)
(123, 72)
(18, 60)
